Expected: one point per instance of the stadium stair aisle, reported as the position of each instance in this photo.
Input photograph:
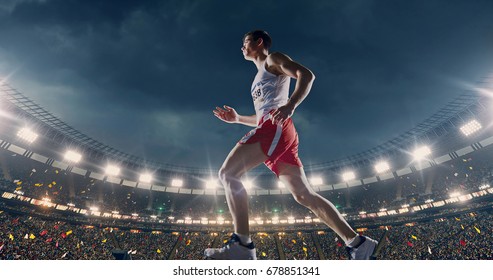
(216, 242)
(320, 252)
(111, 236)
(173, 251)
(279, 248)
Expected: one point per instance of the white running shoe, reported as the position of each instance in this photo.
(233, 250)
(363, 250)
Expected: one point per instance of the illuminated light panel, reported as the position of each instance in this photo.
(484, 187)
(73, 156)
(177, 183)
(421, 152)
(348, 176)
(145, 178)
(471, 127)
(316, 181)
(27, 134)
(382, 167)
(112, 170)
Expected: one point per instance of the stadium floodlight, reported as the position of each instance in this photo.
(27, 134)
(73, 156)
(383, 209)
(281, 185)
(211, 184)
(348, 176)
(145, 178)
(94, 209)
(112, 170)
(382, 167)
(405, 205)
(71, 204)
(471, 127)
(429, 200)
(115, 212)
(316, 181)
(362, 212)
(135, 215)
(421, 153)
(177, 183)
(153, 217)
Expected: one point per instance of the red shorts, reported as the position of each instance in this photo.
(278, 141)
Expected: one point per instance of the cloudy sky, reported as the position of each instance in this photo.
(144, 76)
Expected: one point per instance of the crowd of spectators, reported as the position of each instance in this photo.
(461, 237)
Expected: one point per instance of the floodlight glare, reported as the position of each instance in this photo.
(316, 181)
(281, 185)
(421, 152)
(454, 194)
(177, 183)
(211, 184)
(145, 178)
(73, 156)
(27, 134)
(247, 183)
(112, 170)
(348, 176)
(470, 127)
(382, 167)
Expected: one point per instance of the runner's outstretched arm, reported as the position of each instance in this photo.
(230, 115)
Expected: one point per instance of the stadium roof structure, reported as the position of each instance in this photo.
(445, 121)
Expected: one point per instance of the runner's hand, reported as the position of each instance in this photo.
(227, 114)
(281, 114)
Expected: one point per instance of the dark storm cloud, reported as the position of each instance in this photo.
(143, 76)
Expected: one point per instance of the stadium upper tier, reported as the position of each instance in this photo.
(440, 132)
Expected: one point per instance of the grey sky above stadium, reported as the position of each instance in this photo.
(144, 76)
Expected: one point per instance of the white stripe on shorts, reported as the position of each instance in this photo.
(277, 136)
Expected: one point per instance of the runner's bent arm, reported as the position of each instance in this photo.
(284, 65)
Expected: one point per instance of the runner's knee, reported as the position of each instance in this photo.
(226, 175)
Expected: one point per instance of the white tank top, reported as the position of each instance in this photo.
(269, 91)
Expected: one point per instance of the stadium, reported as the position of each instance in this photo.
(68, 196)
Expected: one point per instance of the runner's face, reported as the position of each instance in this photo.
(248, 47)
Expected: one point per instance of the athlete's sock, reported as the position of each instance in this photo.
(354, 242)
(244, 238)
